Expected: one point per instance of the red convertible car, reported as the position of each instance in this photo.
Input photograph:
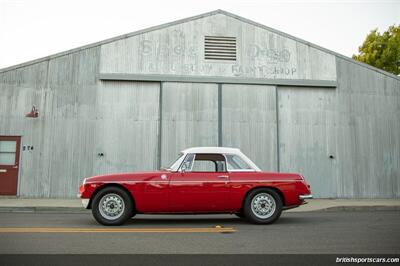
(201, 180)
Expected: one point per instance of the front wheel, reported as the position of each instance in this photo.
(263, 206)
(112, 206)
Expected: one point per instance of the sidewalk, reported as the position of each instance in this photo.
(349, 205)
(13, 204)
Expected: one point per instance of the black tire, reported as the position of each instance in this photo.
(250, 214)
(116, 195)
(240, 215)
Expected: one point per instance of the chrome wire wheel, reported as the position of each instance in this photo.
(111, 206)
(263, 205)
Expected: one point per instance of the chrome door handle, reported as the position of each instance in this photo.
(3, 170)
(223, 176)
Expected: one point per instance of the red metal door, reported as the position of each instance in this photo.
(200, 192)
(9, 164)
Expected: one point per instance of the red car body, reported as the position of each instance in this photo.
(201, 180)
(197, 192)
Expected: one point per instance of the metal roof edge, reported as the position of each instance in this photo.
(309, 44)
(207, 14)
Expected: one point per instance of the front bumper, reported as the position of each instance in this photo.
(85, 203)
(304, 197)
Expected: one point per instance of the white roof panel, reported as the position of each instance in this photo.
(212, 150)
(222, 150)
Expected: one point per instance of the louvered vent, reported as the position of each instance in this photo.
(220, 48)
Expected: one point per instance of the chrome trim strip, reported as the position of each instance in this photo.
(241, 170)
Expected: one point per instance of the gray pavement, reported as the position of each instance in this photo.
(363, 232)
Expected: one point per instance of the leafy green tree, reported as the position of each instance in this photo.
(382, 50)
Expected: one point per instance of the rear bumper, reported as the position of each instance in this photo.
(304, 197)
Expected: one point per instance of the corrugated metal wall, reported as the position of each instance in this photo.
(19, 90)
(358, 123)
(127, 127)
(307, 136)
(368, 133)
(141, 125)
(249, 122)
(189, 117)
(64, 90)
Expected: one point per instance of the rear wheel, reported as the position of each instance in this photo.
(112, 206)
(263, 206)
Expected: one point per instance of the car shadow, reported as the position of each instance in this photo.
(184, 219)
(214, 220)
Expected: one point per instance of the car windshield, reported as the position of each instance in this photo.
(174, 162)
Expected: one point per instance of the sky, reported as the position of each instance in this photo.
(30, 29)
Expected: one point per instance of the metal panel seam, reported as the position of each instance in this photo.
(160, 124)
(219, 114)
(278, 155)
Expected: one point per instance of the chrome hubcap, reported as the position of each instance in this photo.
(263, 205)
(111, 206)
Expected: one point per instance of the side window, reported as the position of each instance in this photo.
(209, 163)
(203, 166)
(234, 162)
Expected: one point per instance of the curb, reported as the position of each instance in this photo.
(43, 210)
(362, 208)
(83, 210)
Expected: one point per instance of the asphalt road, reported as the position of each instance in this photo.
(363, 232)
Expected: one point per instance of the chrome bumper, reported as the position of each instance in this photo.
(304, 197)
(85, 203)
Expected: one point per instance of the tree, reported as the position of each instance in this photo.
(382, 50)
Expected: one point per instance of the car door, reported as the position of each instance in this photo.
(9, 164)
(200, 185)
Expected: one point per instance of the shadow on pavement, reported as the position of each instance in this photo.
(183, 219)
(209, 219)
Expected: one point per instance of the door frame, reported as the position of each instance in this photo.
(18, 157)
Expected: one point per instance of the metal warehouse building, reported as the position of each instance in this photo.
(133, 102)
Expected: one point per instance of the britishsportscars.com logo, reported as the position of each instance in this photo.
(366, 260)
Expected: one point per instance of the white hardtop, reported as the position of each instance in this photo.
(212, 150)
(219, 150)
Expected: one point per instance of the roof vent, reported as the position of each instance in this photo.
(220, 48)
